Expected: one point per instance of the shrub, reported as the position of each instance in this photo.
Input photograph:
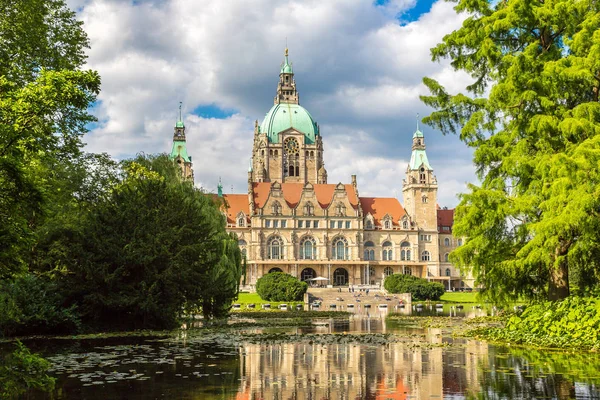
(419, 288)
(278, 286)
(22, 371)
(31, 305)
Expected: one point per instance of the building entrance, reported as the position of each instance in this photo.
(307, 273)
(340, 277)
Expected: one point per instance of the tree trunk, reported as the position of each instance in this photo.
(558, 283)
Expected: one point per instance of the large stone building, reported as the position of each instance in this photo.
(292, 220)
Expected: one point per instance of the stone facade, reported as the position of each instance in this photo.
(292, 220)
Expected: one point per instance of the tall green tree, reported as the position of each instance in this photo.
(533, 118)
(153, 248)
(44, 100)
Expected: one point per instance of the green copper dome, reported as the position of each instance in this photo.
(288, 115)
(418, 134)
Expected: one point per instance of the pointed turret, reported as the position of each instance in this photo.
(179, 151)
(286, 88)
(419, 189)
(220, 188)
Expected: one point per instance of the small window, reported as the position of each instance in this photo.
(404, 224)
(315, 224)
(425, 256)
(446, 228)
(407, 271)
(241, 222)
(347, 224)
(267, 223)
(447, 271)
(276, 224)
(368, 224)
(446, 257)
(331, 224)
(339, 224)
(460, 242)
(283, 224)
(300, 224)
(387, 225)
(424, 199)
(446, 242)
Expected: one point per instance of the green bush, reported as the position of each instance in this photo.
(278, 286)
(21, 371)
(420, 289)
(31, 305)
(571, 323)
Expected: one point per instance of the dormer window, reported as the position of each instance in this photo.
(241, 222)
(405, 224)
(387, 225)
(369, 222)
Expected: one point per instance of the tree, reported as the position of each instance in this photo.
(44, 100)
(419, 288)
(532, 115)
(279, 286)
(151, 249)
(21, 371)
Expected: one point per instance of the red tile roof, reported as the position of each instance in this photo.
(235, 204)
(445, 217)
(379, 206)
(293, 191)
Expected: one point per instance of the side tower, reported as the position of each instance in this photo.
(419, 189)
(179, 151)
(287, 144)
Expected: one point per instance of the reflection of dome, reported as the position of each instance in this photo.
(286, 115)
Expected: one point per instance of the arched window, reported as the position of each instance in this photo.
(425, 256)
(241, 242)
(446, 257)
(405, 224)
(460, 242)
(276, 208)
(407, 271)
(447, 271)
(387, 271)
(405, 251)
(387, 251)
(308, 249)
(422, 176)
(275, 248)
(339, 250)
(309, 209)
(369, 253)
(241, 221)
(368, 224)
(387, 224)
(340, 210)
(424, 199)
(371, 270)
(446, 242)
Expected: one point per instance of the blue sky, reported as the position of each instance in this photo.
(359, 66)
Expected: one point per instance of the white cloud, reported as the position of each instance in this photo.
(358, 71)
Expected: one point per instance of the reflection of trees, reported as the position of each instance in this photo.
(527, 373)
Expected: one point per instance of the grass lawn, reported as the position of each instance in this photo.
(253, 298)
(460, 297)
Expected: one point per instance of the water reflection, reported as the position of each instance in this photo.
(427, 364)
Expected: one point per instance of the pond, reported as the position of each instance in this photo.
(362, 356)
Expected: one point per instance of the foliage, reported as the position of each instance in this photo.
(151, 249)
(22, 371)
(44, 100)
(533, 118)
(570, 323)
(279, 286)
(419, 288)
(31, 305)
